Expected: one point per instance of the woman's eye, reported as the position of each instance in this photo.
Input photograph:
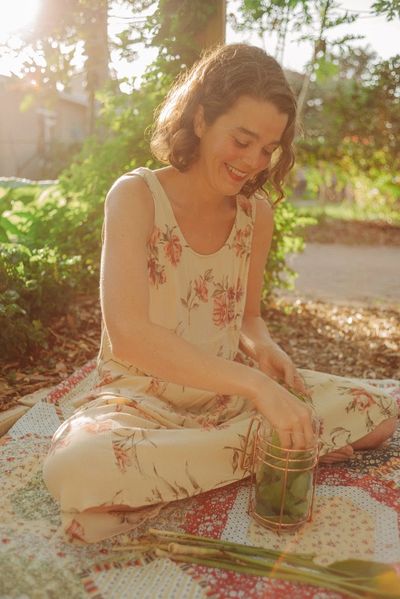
(267, 153)
(240, 144)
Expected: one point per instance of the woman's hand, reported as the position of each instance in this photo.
(288, 415)
(275, 362)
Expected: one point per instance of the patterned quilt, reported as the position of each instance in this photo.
(356, 514)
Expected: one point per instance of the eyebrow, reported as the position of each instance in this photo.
(255, 135)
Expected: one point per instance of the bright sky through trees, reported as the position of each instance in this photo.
(16, 14)
(380, 35)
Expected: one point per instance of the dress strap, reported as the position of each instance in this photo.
(150, 178)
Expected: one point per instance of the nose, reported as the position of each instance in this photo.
(255, 159)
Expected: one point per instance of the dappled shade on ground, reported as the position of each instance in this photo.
(348, 341)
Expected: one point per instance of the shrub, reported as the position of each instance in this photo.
(35, 285)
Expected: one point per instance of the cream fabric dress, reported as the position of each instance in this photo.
(140, 442)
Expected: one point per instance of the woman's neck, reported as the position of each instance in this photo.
(192, 185)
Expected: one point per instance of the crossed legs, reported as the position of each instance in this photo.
(372, 440)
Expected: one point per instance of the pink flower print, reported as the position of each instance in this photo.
(245, 204)
(208, 422)
(75, 531)
(97, 427)
(121, 456)
(106, 378)
(156, 272)
(231, 293)
(59, 444)
(220, 311)
(172, 248)
(223, 311)
(362, 400)
(241, 241)
(200, 288)
(239, 291)
(156, 387)
(221, 402)
(197, 290)
(154, 238)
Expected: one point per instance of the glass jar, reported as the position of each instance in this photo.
(283, 480)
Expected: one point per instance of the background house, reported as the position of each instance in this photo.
(38, 138)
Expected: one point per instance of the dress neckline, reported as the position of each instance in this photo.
(172, 214)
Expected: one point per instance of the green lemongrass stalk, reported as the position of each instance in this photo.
(245, 558)
(139, 547)
(254, 567)
(292, 390)
(296, 558)
(273, 572)
(305, 560)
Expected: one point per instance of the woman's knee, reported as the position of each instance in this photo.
(71, 468)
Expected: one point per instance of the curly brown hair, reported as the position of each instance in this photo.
(215, 82)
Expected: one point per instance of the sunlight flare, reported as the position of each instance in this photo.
(17, 15)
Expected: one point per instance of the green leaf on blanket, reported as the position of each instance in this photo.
(383, 578)
(354, 578)
(360, 567)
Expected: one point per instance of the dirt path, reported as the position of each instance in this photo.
(348, 274)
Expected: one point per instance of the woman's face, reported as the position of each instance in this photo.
(239, 144)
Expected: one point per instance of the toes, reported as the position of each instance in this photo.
(339, 455)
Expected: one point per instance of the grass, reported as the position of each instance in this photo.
(350, 211)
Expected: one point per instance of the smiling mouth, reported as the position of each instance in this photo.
(235, 173)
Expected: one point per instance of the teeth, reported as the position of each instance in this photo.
(235, 171)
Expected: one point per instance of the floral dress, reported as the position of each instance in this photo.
(138, 442)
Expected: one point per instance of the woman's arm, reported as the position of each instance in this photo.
(255, 336)
(129, 218)
(255, 339)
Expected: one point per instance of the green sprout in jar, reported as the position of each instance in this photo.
(284, 480)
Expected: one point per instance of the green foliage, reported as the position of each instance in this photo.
(352, 131)
(286, 239)
(174, 29)
(336, 122)
(34, 286)
(41, 265)
(388, 8)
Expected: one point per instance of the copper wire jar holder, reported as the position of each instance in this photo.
(282, 480)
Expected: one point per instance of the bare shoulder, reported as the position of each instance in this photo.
(264, 220)
(129, 200)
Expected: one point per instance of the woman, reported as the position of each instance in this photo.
(182, 267)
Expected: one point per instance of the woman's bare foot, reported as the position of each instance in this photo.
(343, 454)
(372, 440)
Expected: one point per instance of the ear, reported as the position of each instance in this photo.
(198, 121)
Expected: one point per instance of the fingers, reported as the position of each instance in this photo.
(309, 433)
(298, 431)
(300, 385)
(285, 438)
(295, 380)
(293, 439)
(290, 374)
(288, 415)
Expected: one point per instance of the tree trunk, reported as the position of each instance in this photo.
(214, 32)
(96, 48)
(311, 67)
